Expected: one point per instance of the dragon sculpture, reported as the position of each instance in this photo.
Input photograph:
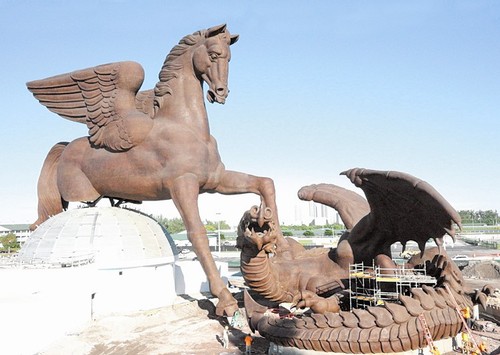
(399, 207)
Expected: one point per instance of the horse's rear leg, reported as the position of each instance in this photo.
(50, 201)
(184, 193)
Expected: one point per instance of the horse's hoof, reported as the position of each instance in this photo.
(227, 305)
(226, 311)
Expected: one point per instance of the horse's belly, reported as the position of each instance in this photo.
(85, 174)
(129, 182)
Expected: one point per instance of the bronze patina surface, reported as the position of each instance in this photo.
(398, 207)
(147, 145)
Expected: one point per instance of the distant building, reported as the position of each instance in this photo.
(181, 239)
(22, 231)
(307, 213)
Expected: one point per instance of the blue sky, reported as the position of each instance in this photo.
(316, 88)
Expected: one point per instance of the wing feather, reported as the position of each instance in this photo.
(144, 102)
(102, 97)
(60, 96)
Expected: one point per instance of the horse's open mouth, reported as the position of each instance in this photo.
(213, 97)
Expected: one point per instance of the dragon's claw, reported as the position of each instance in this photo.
(398, 208)
(317, 304)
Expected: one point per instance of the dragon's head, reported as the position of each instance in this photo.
(256, 231)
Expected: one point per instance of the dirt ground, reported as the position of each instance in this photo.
(476, 276)
(489, 270)
(191, 327)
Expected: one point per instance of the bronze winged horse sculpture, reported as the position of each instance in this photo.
(149, 145)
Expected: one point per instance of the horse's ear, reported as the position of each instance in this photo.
(234, 39)
(214, 31)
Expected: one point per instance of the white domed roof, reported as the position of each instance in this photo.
(110, 237)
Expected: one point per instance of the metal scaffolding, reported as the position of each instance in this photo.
(371, 286)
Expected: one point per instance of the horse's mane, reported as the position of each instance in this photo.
(169, 69)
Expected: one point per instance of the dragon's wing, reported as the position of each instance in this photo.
(350, 206)
(102, 97)
(403, 208)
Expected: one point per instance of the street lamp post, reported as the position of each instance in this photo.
(218, 230)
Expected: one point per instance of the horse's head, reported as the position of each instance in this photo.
(206, 54)
(211, 62)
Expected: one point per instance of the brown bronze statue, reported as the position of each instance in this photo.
(149, 145)
(400, 207)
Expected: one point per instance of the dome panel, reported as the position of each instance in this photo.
(107, 236)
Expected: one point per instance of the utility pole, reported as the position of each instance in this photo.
(218, 230)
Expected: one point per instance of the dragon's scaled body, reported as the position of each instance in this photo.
(399, 207)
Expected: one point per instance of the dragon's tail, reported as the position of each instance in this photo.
(395, 325)
(50, 201)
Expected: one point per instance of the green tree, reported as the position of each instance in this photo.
(173, 225)
(176, 225)
(488, 217)
(328, 233)
(9, 242)
(308, 233)
(213, 226)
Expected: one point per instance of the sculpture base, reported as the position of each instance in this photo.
(444, 346)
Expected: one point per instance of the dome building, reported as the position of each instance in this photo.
(88, 262)
(108, 237)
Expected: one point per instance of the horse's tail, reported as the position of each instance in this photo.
(50, 201)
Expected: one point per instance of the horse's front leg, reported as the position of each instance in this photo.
(184, 194)
(233, 182)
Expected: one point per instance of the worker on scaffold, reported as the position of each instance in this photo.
(466, 346)
(466, 313)
(435, 351)
(482, 348)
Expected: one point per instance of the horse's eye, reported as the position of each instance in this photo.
(214, 56)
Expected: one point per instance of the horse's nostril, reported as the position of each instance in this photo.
(220, 90)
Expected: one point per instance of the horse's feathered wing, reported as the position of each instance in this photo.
(102, 97)
(144, 102)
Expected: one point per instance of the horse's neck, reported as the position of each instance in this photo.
(185, 105)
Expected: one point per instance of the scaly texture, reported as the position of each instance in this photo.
(401, 208)
(391, 327)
